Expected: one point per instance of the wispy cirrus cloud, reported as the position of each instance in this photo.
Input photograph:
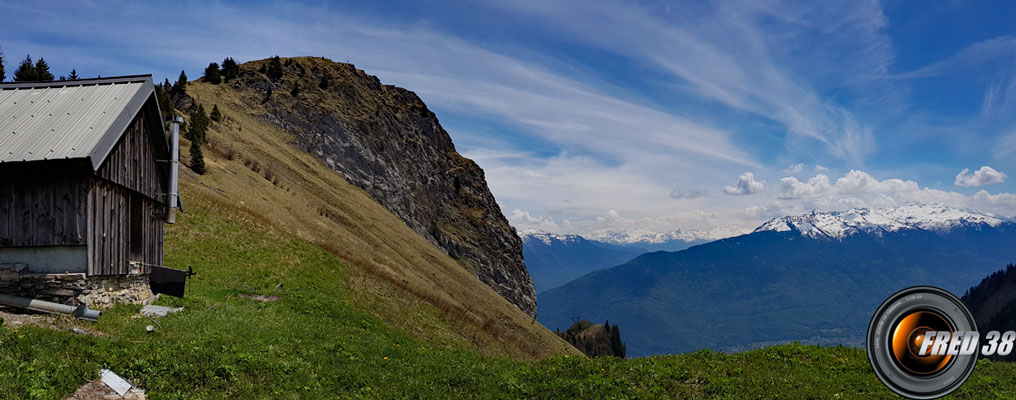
(969, 57)
(746, 56)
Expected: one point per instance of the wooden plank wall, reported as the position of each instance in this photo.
(130, 167)
(154, 232)
(132, 162)
(108, 229)
(109, 225)
(43, 204)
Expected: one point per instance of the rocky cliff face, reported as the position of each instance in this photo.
(385, 140)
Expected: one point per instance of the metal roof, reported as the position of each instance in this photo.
(68, 119)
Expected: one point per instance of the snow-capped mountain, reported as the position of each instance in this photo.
(841, 224)
(548, 238)
(635, 236)
(656, 241)
(554, 259)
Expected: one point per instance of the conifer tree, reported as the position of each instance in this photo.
(3, 75)
(180, 85)
(25, 71)
(73, 75)
(42, 71)
(324, 83)
(229, 69)
(216, 114)
(212, 74)
(274, 70)
(616, 345)
(197, 158)
(197, 130)
(165, 103)
(296, 90)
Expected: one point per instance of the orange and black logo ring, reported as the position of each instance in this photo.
(898, 333)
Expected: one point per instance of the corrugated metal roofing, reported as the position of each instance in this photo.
(65, 120)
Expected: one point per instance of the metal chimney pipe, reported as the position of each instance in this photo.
(174, 168)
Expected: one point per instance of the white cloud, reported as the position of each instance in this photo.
(791, 188)
(984, 176)
(688, 193)
(794, 168)
(820, 168)
(524, 220)
(746, 184)
(983, 195)
(1002, 203)
(860, 182)
(853, 183)
(523, 217)
(610, 216)
(772, 210)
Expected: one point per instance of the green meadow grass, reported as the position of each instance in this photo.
(313, 343)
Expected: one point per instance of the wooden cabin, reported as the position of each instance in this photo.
(84, 177)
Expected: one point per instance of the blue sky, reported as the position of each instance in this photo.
(703, 117)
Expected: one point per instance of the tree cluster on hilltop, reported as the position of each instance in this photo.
(595, 340)
(29, 72)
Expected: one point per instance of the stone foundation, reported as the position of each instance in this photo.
(75, 288)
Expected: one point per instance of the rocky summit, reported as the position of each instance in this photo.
(385, 140)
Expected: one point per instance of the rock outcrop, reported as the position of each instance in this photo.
(385, 140)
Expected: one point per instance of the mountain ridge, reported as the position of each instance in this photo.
(554, 259)
(395, 274)
(839, 224)
(386, 141)
(770, 286)
(669, 241)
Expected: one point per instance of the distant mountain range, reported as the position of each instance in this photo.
(815, 278)
(555, 259)
(878, 222)
(650, 241)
